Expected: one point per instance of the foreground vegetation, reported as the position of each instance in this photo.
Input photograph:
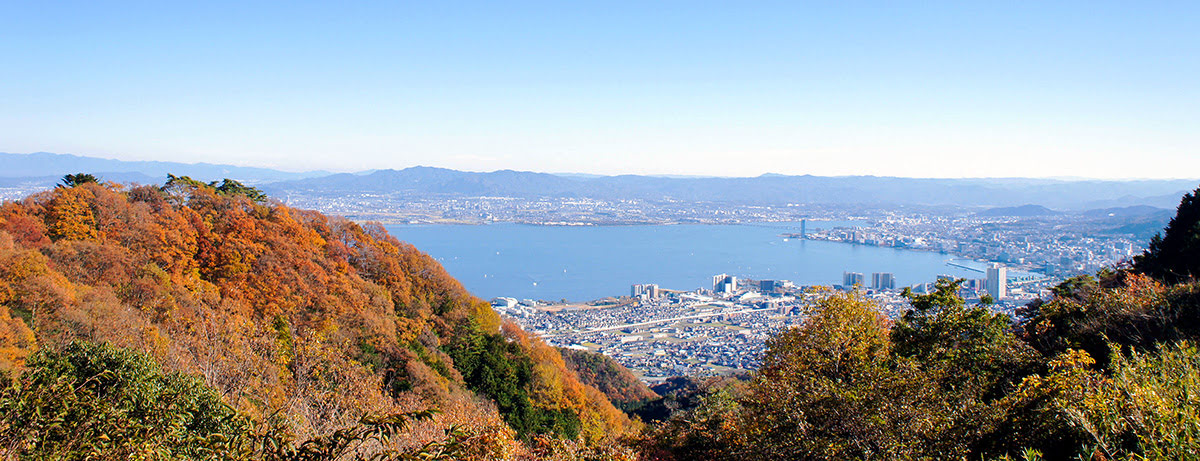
(201, 321)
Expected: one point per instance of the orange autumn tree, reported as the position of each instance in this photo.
(297, 319)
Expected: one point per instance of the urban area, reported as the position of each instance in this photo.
(659, 333)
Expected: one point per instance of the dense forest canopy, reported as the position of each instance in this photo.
(602, 372)
(300, 323)
(202, 320)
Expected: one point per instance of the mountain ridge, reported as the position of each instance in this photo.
(52, 164)
(762, 190)
(771, 189)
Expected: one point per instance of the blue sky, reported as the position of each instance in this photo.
(927, 89)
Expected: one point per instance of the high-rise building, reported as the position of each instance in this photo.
(803, 225)
(644, 291)
(975, 284)
(770, 286)
(997, 281)
(883, 281)
(724, 283)
(850, 279)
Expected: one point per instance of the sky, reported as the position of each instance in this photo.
(924, 89)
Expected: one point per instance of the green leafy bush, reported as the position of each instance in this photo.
(90, 401)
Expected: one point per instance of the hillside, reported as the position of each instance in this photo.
(605, 374)
(295, 319)
(1019, 211)
(1128, 212)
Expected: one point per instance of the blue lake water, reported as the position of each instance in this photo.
(585, 263)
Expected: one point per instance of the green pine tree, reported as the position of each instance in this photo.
(1174, 256)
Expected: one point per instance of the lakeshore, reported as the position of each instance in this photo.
(587, 263)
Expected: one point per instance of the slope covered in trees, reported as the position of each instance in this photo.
(614, 380)
(299, 322)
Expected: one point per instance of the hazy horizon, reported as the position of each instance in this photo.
(586, 174)
(937, 90)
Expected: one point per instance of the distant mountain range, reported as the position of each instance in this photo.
(768, 189)
(762, 190)
(43, 165)
(1142, 221)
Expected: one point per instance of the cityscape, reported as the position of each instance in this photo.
(659, 333)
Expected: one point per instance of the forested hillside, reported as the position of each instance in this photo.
(615, 381)
(300, 323)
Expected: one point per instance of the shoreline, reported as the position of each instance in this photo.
(451, 222)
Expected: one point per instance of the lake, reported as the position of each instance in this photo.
(591, 262)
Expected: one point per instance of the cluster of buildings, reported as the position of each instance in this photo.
(402, 208)
(995, 284)
(1059, 245)
(663, 333)
(660, 333)
(645, 292)
(724, 283)
(879, 280)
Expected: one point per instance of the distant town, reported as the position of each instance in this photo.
(660, 333)
(1042, 240)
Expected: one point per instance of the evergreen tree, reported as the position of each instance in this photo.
(184, 186)
(231, 187)
(76, 179)
(1174, 256)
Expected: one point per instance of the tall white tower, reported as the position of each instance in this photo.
(997, 281)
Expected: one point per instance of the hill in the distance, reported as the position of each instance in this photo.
(30, 172)
(45, 164)
(771, 189)
(1138, 211)
(1019, 211)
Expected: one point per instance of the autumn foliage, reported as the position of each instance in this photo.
(605, 374)
(200, 320)
(295, 319)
